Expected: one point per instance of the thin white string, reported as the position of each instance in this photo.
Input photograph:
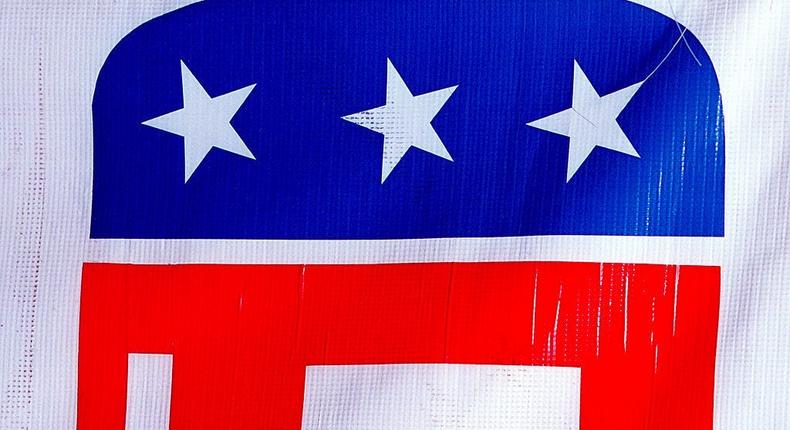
(583, 117)
(677, 42)
(688, 46)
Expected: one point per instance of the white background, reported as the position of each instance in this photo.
(440, 397)
(50, 55)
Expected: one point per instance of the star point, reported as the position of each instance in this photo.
(405, 121)
(204, 122)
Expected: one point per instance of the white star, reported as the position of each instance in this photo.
(591, 121)
(405, 121)
(204, 122)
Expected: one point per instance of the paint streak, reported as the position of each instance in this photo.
(625, 316)
(675, 301)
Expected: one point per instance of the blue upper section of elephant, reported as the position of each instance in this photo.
(375, 119)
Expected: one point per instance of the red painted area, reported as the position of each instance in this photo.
(241, 336)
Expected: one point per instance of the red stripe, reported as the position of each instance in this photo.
(242, 335)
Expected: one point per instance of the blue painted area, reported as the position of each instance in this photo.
(318, 177)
